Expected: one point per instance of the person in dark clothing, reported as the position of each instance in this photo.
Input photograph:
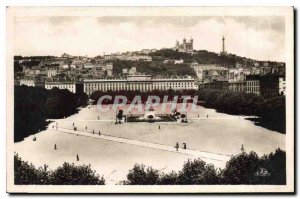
(177, 146)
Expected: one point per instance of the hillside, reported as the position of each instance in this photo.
(155, 68)
(206, 57)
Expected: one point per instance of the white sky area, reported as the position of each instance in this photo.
(261, 38)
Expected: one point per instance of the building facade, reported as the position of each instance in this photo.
(137, 82)
(272, 85)
(282, 85)
(215, 85)
(252, 84)
(210, 72)
(74, 87)
(51, 72)
(236, 86)
(32, 82)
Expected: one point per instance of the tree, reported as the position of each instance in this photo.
(275, 163)
(29, 115)
(198, 172)
(69, 174)
(141, 176)
(33, 105)
(27, 174)
(241, 169)
(54, 107)
(168, 178)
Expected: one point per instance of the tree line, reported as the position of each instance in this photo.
(244, 168)
(33, 105)
(206, 57)
(269, 110)
(67, 174)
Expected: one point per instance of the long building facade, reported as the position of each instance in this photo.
(74, 87)
(137, 82)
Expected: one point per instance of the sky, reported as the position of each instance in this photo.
(261, 38)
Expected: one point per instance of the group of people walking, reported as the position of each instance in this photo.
(177, 146)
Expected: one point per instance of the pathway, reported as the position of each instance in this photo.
(192, 152)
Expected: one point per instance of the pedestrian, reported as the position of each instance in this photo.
(184, 145)
(99, 133)
(93, 132)
(206, 116)
(177, 146)
(77, 157)
(198, 116)
(55, 147)
(242, 148)
(158, 126)
(85, 127)
(73, 123)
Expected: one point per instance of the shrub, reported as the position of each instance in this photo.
(68, 174)
(168, 178)
(141, 176)
(241, 169)
(275, 163)
(27, 174)
(198, 172)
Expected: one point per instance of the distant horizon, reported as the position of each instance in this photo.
(261, 38)
(141, 50)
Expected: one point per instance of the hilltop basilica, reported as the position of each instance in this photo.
(186, 47)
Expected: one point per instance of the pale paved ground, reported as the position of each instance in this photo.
(219, 135)
(207, 156)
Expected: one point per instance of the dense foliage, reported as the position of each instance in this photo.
(163, 54)
(270, 111)
(140, 175)
(206, 57)
(67, 174)
(201, 57)
(32, 105)
(244, 168)
(25, 173)
(198, 172)
(29, 113)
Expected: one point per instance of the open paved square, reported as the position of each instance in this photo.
(209, 135)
